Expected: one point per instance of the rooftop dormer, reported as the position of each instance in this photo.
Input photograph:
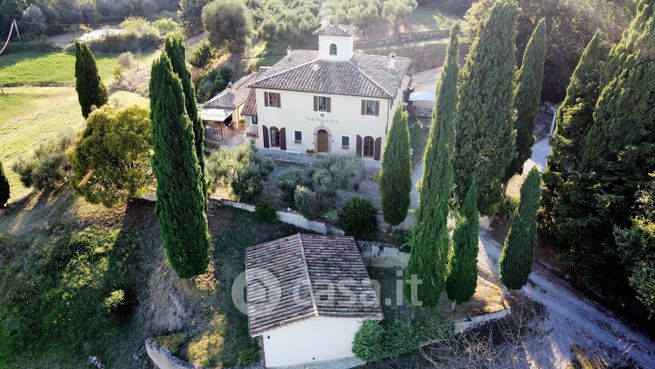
(335, 42)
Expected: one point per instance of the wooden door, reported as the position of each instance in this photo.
(322, 141)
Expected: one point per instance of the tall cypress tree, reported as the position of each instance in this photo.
(180, 200)
(528, 93)
(485, 130)
(90, 90)
(618, 152)
(574, 117)
(4, 188)
(430, 243)
(395, 175)
(174, 48)
(518, 252)
(463, 275)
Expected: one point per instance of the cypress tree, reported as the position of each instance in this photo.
(180, 200)
(90, 90)
(430, 242)
(395, 175)
(618, 153)
(174, 48)
(518, 251)
(4, 188)
(528, 93)
(463, 275)
(574, 117)
(485, 131)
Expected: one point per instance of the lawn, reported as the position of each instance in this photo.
(34, 115)
(209, 330)
(429, 17)
(48, 68)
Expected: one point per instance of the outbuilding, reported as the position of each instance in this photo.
(307, 296)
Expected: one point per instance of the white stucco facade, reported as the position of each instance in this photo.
(312, 340)
(345, 119)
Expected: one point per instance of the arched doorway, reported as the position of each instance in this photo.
(322, 141)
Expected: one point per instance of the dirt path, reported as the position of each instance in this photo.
(570, 319)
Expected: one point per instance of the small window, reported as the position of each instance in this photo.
(275, 137)
(369, 147)
(345, 142)
(322, 103)
(333, 49)
(254, 119)
(272, 99)
(370, 107)
(297, 136)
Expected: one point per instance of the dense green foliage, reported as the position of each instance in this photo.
(528, 96)
(48, 167)
(5, 191)
(228, 24)
(396, 11)
(174, 47)
(570, 26)
(90, 90)
(395, 175)
(636, 245)
(430, 242)
(360, 13)
(265, 212)
(463, 268)
(288, 22)
(214, 82)
(374, 342)
(190, 14)
(518, 252)
(485, 132)
(114, 151)
(201, 54)
(180, 196)
(61, 299)
(359, 218)
(603, 163)
(560, 211)
(244, 169)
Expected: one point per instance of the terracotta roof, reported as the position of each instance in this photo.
(303, 266)
(336, 30)
(429, 76)
(233, 96)
(362, 75)
(250, 106)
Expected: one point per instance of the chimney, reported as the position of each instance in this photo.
(325, 21)
(392, 61)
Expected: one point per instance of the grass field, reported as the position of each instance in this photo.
(47, 68)
(33, 115)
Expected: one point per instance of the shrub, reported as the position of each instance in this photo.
(367, 344)
(126, 60)
(243, 168)
(402, 238)
(400, 337)
(248, 356)
(48, 168)
(288, 181)
(165, 25)
(119, 303)
(173, 342)
(201, 54)
(331, 216)
(305, 202)
(126, 41)
(137, 25)
(265, 212)
(347, 171)
(323, 184)
(359, 218)
(508, 206)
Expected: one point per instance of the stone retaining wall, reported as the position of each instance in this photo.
(163, 359)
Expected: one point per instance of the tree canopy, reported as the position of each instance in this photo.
(111, 158)
(90, 90)
(228, 24)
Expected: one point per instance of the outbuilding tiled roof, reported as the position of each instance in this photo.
(430, 76)
(235, 95)
(336, 30)
(362, 75)
(301, 268)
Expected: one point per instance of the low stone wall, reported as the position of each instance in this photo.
(292, 218)
(163, 358)
(380, 255)
(480, 320)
